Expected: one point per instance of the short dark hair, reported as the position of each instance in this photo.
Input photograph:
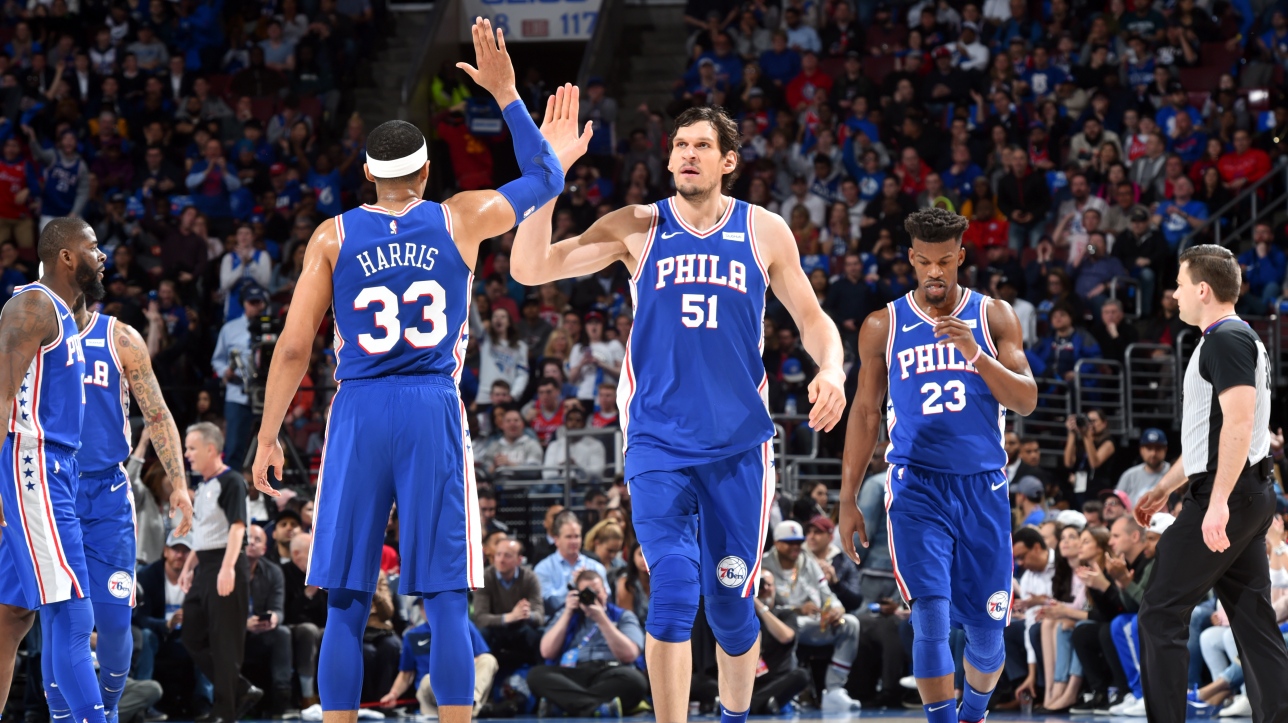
(501, 383)
(935, 225)
(587, 575)
(547, 382)
(594, 492)
(1212, 265)
(392, 140)
(1029, 537)
(1093, 506)
(727, 132)
(486, 493)
(60, 234)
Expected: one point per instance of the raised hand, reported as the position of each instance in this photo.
(559, 127)
(495, 72)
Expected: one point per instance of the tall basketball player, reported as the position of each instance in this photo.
(693, 388)
(42, 369)
(952, 362)
(117, 363)
(398, 276)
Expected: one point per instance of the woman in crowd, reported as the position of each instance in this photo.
(596, 361)
(503, 356)
(632, 588)
(1069, 595)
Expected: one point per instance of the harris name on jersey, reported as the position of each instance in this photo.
(419, 256)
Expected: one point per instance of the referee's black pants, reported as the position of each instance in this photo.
(214, 629)
(1184, 570)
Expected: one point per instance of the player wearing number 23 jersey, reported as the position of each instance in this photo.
(401, 295)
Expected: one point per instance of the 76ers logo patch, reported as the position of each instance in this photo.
(998, 602)
(732, 571)
(120, 584)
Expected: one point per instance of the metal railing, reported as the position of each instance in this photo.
(1249, 195)
(1046, 423)
(1153, 397)
(1126, 291)
(1098, 384)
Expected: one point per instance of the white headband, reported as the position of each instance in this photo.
(399, 167)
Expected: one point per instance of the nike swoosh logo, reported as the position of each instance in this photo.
(999, 485)
(673, 233)
(119, 485)
(932, 710)
(67, 315)
(914, 326)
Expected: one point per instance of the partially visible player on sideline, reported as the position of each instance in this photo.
(953, 363)
(398, 276)
(693, 406)
(42, 557)
(117, 363)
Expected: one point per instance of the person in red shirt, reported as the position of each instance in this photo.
(911, 172)
(17, 177)
(986, 229)
(471, 157)
(546, 415)
(801, 90)
(1244, 165)
(606, 407)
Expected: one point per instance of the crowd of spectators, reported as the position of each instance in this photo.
(206, 140)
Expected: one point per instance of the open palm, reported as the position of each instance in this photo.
(559, 127)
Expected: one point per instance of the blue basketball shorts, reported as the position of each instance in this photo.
(397, 439)
(42, 557)
(715, 513)
(105, 505)
(950, 536)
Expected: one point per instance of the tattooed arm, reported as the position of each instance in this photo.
(27, 323)
(137, 368)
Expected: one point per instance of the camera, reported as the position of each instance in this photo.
(264, 330)
(587, 597)
(1082, 421)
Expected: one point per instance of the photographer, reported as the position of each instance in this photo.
(1088, 449)
(233, 362)
(591, 647)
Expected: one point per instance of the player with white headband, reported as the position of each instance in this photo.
(398, 274)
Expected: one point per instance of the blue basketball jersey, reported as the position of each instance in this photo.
(61, 182)
(51, 399)
(940, 414)
(106, 432)
(401, 293)
(693, 386)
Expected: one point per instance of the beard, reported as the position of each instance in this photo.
(936, 295)
(694, 193)
(89, 283)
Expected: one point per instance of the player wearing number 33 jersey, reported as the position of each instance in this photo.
(396, 275)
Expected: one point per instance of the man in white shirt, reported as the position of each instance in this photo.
(1008, 290)
(969, 53)
(586, 453)
(1038, 561)
(802, 197)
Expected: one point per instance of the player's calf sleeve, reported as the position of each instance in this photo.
(673, 599)
(931, 655)
(543, 176)
(734, 622)
(115, 649)
(985, 648)
(66, 644)
(451, 656)
(59, 710)
(340, 660)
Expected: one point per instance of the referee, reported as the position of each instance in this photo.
(1219, 539)
(217, 603)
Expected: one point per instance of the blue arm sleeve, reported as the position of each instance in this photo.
(543, 177)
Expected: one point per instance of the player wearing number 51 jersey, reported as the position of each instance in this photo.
(397, 275)
(951, 361)
(692, 394)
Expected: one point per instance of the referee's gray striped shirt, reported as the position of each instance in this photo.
(1229, 355)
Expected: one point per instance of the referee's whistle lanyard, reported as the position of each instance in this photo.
(1223, 320)
(225, 468)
